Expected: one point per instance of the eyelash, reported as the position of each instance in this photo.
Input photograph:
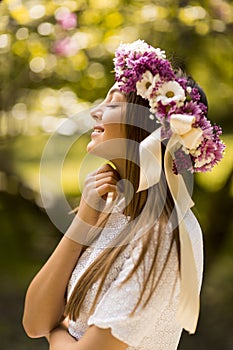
(112, 106)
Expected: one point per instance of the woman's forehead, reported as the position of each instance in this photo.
(115, 90)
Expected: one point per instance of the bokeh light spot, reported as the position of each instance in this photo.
(45, 28)
(96, 71)
(22, 33)
(19, 111)
(4, 41)
(37, 11)
(37, 64)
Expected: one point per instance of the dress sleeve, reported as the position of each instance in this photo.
(115, 306)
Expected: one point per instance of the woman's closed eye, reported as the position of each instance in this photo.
(113, 105)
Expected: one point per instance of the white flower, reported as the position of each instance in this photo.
(153, 105)
(141, 47)
(136, 46)
(203, 161)
(146, 84)
(160, 53)
(171, 91)
(195, 152)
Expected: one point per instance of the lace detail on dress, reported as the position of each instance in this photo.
(78, 328)
(149, 328)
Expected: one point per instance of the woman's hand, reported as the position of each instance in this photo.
(96, 188)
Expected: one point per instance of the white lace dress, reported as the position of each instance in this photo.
(153, 327)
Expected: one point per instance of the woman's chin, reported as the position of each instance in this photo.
(111, 149)
(96, 149)
(90, 146)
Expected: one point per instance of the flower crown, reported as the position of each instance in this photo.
(177, 106)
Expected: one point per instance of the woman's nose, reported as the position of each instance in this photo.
(96, 113)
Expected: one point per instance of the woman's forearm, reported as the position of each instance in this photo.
(45, 299)
(93, 339)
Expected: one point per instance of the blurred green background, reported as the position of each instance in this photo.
(55, 62)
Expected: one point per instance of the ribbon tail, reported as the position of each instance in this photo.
(150, 172)
(188, 310)
(150, 160)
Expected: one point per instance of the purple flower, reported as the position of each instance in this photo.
(191, 108)
(163, 112)
(195, 96)
(182, 82)
(130, 66)
(182, 162)
(131, 63)
(211, 150)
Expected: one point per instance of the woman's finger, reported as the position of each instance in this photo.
(106, 168)
(105, 189)
(106, 175)
(108, 180)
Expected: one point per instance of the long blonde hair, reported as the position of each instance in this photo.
(157, 202)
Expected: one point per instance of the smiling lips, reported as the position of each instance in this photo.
(98, 129)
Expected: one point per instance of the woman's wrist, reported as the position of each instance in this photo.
(88, 213)
(79, 230)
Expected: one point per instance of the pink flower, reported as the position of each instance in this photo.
(67, 20)
(67, 47)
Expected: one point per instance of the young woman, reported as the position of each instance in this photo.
(127, 273)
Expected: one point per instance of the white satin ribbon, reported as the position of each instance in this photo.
(181, 125)
(150, 160)
(150, 172)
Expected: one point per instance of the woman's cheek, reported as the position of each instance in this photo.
(114, 130)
